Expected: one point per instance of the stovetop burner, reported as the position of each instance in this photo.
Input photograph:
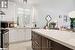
(4, 30)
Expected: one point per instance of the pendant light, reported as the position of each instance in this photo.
(25, 1)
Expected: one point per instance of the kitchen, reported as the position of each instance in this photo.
(24, 18)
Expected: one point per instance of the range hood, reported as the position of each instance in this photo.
(2, 13)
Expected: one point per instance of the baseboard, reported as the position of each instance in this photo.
(19, 41)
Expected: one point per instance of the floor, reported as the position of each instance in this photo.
(21, 46)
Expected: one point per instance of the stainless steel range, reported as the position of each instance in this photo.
(4, 39)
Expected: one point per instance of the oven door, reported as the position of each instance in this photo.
(0, 39)
(6, 40)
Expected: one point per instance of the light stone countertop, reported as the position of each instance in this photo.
(65, 38)
(17, 28)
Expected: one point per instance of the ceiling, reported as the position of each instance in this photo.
(45, 3)
(22, 1)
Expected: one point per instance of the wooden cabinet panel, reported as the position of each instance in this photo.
(42, 43)
(50, 44)
(46, 44)
(36, 41)
(57, 46)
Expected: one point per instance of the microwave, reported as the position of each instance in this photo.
(4, 24)
(7, 24)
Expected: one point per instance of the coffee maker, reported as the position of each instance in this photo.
(72, 24)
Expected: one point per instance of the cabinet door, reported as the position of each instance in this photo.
(35, 46)
(46, 44)
(57, 46)
(50, 46)
(17, 35)
(33, 40)
(36, 41)
(27, 34)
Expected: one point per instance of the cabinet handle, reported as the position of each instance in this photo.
(50, 44)
(47, 43)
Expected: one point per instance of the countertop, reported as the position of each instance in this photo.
(66, 38)
(20, 28)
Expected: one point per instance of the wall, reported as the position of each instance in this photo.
(54, 8)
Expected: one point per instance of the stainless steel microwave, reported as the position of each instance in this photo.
(4, 24)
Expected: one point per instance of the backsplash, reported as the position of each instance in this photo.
(64, 21)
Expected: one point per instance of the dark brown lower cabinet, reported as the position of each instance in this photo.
(36, 41)
(40, 42)
(45, 44)
(57, 46)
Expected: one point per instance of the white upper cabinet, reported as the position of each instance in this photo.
(10, 12)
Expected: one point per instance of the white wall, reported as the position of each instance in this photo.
(53, 8)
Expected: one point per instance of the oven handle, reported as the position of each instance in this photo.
(6, 33)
